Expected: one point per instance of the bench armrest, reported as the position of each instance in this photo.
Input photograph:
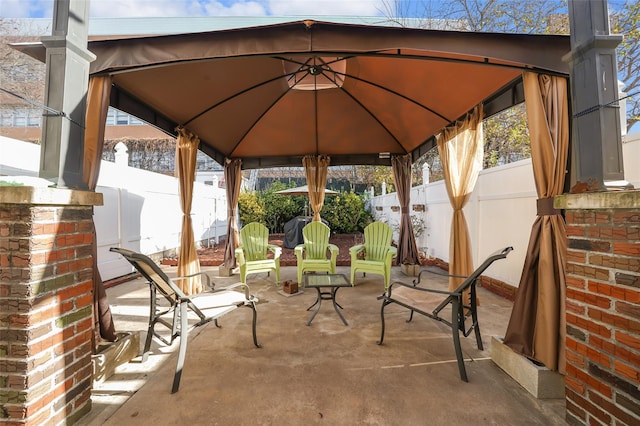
(413, 287)
(247, 291)
(202, 274)
(435, 272)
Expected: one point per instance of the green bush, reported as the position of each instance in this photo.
(346, 213)
(279, 209)
(250, 208)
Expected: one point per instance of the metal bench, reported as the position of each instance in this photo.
(429, 302)
(203, 307)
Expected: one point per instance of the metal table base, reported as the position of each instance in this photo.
(322, 281)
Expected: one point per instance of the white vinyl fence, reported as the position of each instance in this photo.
(141, 209)
(500, 212)
(142, 212)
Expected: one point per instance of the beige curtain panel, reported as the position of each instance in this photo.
(188, 263)
(95, 120)
(95, 123)
(315, 168)
(537, 324)
(233, 181)
(407, 250)
(461, 149)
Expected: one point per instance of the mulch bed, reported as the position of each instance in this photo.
(214, 256)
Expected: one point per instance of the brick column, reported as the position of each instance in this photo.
(46, 302)
(603, 307)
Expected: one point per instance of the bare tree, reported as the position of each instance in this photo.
(22, 77)
(512, 16)
(626, 21)
(21, 74)
(506, 134)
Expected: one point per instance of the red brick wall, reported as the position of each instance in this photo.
(603, 316)
(45, 314)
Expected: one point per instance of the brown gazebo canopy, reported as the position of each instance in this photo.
(248, 93)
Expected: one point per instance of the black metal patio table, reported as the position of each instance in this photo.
(326, 281)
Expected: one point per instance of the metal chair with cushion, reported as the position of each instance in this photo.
(376, 254)
(312, 254)
(171, 308)
(432, 302)
(252, 255)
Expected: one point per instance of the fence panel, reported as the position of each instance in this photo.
(499, 212)
(142, 212)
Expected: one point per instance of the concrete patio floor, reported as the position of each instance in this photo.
(326, 373)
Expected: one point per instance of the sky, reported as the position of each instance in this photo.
(150, 8)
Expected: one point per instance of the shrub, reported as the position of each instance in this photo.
(417, 223)
(279, 209)
(346, 213)
(250, 208)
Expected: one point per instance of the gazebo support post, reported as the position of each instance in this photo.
(596, 136)
(67, 80)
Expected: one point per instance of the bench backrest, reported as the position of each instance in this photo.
(152, 273)
(500, 254)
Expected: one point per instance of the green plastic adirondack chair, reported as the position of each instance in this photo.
(376, 254)
(252, 253)
(312, 254)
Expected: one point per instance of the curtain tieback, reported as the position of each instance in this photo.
(404, 210)
(545, 207)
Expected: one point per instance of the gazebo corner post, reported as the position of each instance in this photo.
(66, 83)
(596, 137)
(73, 137)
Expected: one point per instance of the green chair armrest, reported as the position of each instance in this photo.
(334, 250)
(240, 255)
(355, 249)
(391, 253)
(276, 250)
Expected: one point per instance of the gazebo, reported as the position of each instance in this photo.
(318, 94)
(315, 94)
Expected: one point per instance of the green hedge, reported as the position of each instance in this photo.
(345, 212)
